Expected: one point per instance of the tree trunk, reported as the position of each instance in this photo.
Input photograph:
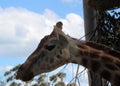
(90, 25)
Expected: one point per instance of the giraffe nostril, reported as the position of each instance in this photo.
(60, 51)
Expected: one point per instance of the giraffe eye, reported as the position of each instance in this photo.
(50, 47)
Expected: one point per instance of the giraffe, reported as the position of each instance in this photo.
(58, 49)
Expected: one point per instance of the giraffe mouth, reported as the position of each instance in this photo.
(24, 74)
(27, 77)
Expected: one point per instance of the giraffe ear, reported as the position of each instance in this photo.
(63, 40)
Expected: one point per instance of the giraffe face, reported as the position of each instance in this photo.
(48, 56)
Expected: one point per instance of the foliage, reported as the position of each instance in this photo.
(41, 80)
(13, 69)
(60, 83)
(71, 84)
(11, 73)
(108, 29)
(14, 84)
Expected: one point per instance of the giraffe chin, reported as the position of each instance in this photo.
(25, 77)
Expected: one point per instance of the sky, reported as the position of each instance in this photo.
(23, 23)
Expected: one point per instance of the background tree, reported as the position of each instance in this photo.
(41, 80)
(101, 27)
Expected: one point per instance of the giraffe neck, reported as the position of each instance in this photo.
(99, 61)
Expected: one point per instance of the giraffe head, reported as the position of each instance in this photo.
(58, 49)
(48, 56)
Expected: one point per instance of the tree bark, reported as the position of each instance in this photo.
(104, 4)
(90, 25)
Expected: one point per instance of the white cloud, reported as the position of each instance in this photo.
(21, 29)
(5, 68)
(73, 25)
